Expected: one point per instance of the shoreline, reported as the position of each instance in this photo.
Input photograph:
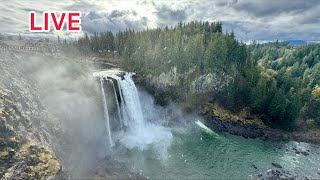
(252, 131)
(237, 128)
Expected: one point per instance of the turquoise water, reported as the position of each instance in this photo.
(197, 153)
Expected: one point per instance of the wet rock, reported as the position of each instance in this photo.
(283, 177)
(109, 168)
(276, 165)
(308, 177)
(305, 153)
(270, 171)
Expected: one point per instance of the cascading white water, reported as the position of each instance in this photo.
(123, 113)
(132, 103)
(140, 134)
(118, 106)
(106, 113)
(136, 132)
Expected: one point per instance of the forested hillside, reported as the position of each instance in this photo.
(190, 51)
(276, 81)
(288, 85)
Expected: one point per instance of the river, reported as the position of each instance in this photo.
(196, 153)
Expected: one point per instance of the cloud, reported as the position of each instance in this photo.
(83, 6)
(273, 7)
(254, 19)
(167, 16)
(250, 19)
(114, 21)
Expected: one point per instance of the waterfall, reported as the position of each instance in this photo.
(140, 134)
(132, 103)
(105, 108)
(135, 132)
(123, 113)
(117, 103)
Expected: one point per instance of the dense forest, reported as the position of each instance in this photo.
(288, 85)
(277, 81)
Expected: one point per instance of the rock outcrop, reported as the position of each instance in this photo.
(22, 154)
(211, 82)
(24, 140)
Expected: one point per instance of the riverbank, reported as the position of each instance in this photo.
(241, 124)
(251, 127)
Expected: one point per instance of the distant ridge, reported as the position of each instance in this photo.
(297, 42)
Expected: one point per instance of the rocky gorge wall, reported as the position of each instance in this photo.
(50, 109)
(209, 82)
(25, 125)
(173, 86)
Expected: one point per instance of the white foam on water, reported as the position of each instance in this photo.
(205, 128)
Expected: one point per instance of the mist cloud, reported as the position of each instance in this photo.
(71, 94)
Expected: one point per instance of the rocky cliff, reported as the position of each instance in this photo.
(51, 120)
(24, 132)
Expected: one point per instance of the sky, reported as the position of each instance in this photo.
(249, 19)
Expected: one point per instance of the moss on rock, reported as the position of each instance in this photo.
(244, 116)
(33, 162)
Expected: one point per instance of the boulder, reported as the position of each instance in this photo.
(276, 165)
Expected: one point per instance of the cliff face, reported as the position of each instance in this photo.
(192, 89)
(51, 116)
(211, 82)
(192, 82)
(24, 131)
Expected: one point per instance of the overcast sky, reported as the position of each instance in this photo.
(250, 19)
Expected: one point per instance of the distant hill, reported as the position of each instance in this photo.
(297, 42)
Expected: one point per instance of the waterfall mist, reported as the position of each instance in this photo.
(70, 93)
